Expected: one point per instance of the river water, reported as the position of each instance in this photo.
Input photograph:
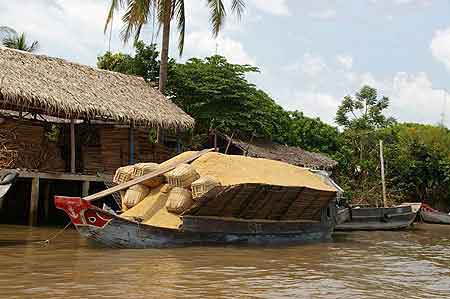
(403, 264)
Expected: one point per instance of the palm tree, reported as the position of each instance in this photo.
(11, 39)
(138, 12)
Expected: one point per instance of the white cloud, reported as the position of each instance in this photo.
(203, 44)
(440, 46)
(275, 7)
(413, 98)
(310, 65)
(413, 2)
(345, 61)
(323, 14)
(317, 104)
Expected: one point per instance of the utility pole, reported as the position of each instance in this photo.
(383, 183)
(444, 106)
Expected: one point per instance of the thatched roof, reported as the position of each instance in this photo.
(289, 154)
(59, 88)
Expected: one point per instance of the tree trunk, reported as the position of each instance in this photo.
(165, 47)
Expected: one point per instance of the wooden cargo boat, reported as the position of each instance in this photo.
(246, 213)
(430, 215)
(394, 218)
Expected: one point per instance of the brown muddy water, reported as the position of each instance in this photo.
(408, 264)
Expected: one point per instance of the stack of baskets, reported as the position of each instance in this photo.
(134, 195)
(179, 200)
(141, 169)
(180, 179)
(203, 185)
(182, 176)
(123, 174)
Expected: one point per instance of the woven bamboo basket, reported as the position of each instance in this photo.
(182, 176)
(201, 186)
(123, 174)
(135, 195)
(141, 169)
(179, 200)
(166, 188)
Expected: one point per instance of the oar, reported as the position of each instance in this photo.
(146, 177)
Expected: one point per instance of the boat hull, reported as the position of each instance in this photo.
(114, 231)
(378, 219)
(430, 215)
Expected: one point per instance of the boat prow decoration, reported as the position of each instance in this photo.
(81, 212)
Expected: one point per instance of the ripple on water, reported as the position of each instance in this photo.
(411, 264)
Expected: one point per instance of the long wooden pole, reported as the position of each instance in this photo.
(383, 182)
(72, 146)
(145, 177)
(34, 202)
(131, 141)
(229, 143)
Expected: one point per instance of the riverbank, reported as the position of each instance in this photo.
(402, 264)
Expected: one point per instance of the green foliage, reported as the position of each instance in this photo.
(217, 94)
(138, 13)
(419, 161)
(144, 63)
(310, 133)
(364, 111)
(11, 39)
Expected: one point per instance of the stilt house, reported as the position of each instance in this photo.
(63, 123)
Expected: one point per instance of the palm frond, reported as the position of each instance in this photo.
(135, 17)
(237, 7)
(217, 15)
(115, 5)
(181, 24)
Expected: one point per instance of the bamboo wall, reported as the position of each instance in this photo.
(27, 141)
(99, 148)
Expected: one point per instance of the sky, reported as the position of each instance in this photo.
(311, 53)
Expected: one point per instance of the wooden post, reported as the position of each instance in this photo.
(34, 201)
(85, 189)
(131, 141)
(72, 146)
(178, 142)
(215, 141)
(46, 195)
(229, 142)
(383, 183)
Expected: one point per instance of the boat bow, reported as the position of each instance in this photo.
(81, 212)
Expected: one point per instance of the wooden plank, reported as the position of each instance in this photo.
(34, 200)
(64, 176)
(72, 146)
(85, 189)
(145, 177)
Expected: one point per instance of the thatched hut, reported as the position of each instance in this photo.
(258, 148)
(66, 121)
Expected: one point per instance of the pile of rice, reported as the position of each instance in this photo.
(228, 170)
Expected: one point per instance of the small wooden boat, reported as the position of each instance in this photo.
(7, 179)
(430, 215)
(246, 213)
(394, 218)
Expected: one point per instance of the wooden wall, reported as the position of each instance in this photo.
(113, 150)
(99, 148)
(34, 150)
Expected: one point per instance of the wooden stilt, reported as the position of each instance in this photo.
(131, 141)
(34, 201)
(46, 195)
(72, 146)
(85, 188)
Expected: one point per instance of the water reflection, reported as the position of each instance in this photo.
(412, 264)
